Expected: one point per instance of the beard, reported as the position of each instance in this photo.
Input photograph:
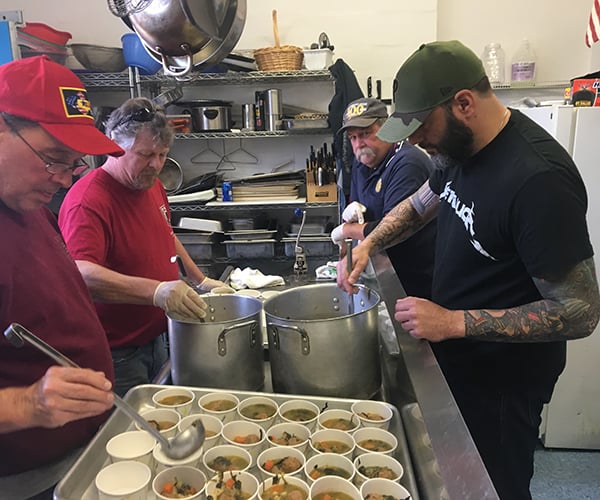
(457, 142)
(145, 179)
(456, 145)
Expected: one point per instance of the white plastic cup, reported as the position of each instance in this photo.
(376, 435)
(277, 454)
(222, 405)
(344, 420)
(213, 428)
(329, 484)
(225, 450)
(160, 399)
(383, 487)
(300, 411)
(126, 479)
(264, 419)
(328, 460)
(291, 480)
(249, 483)
(332, 441)
(390, 467)
(232, 431)
(184, 473)
(162, 415)
(131, 445)
(373, 413)
(278, 432)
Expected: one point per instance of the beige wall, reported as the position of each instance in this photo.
(375, 38)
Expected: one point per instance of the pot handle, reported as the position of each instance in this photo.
(167, 64)
(222, 347)
(304, 339)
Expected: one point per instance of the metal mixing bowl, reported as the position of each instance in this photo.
(98, 58)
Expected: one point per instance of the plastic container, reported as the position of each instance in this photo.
(315, 59)
(136, 55)
(251, 249)
(494, 62)
(523, 64)
(45, 32)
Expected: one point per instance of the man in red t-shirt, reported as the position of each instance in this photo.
(117, 225)
(47, 412)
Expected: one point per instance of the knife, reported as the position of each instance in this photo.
(369, 87)
(378, 88)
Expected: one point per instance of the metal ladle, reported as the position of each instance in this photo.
(178, 447)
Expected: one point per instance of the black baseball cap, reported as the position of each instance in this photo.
(363, 113)
(432, 75)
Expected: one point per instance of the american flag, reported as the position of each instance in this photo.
(592, 34)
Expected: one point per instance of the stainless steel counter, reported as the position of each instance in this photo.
(446, 461)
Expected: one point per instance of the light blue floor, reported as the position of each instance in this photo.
(566, 475)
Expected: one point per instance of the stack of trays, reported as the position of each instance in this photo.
(198, 236)
(255, 192)
(314, 245)
(250, 243)
(199, 244)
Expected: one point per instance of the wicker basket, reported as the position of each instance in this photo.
(284, 58)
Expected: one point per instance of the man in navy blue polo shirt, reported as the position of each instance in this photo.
(384, 174)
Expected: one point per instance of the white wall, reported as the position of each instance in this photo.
(373, 39)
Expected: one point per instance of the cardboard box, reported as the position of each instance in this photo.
(586, 92)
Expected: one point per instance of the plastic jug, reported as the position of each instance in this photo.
(523, 64)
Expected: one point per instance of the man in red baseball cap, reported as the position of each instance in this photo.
(47, 413)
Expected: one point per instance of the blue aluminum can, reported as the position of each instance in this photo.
(227, 191)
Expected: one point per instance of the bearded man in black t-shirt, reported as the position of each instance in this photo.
(514, 275)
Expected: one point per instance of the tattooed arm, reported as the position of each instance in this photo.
(400, 223)
(570, 310)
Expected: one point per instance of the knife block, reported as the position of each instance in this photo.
(320, 194)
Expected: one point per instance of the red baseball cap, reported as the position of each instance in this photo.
(43, 91)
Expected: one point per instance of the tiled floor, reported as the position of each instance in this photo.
(566, 475)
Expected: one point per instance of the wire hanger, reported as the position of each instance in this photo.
(240, 155)
(207, 156)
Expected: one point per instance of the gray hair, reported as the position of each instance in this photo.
(133, 116)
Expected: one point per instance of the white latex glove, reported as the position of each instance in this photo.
(207, 284)
(337, 235)
(179, 298)
(354, 212)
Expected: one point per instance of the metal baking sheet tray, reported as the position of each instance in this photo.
(252, 234)
(78, 483)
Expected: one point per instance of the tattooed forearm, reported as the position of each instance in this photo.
(570, 309)
(404, 220)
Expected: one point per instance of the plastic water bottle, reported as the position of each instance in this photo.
(523, 64)
(493, 61)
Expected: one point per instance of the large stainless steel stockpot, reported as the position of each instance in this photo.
(185, 33)
(224, 351)
(318, 347)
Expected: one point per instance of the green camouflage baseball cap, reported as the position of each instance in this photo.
(432, 75)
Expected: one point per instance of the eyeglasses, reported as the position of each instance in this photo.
(56, 167)
(141, 115)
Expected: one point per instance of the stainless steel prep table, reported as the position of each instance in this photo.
(446, 461)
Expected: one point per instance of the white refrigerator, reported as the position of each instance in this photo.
(572, 418)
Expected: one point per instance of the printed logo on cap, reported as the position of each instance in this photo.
(356, 110)
(76, 103)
